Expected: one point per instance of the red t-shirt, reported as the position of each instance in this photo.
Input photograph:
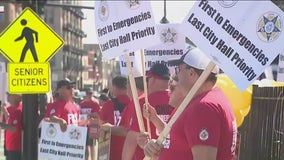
(126, 118)
(111, 115)
(160, 101)
(48, 108)
(69, 111)
(126, 115)
(207, 120)
(89, 106)
(13, 139)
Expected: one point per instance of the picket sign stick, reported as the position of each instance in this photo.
(145, 88)
(134, 94)
(163, 135)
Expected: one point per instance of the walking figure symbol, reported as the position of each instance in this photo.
(28, 33)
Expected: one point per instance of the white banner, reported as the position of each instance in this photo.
(172, 46)
(124, 27)
(241, 37)
(135, 61)
(58, 145)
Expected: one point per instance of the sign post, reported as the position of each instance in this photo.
(28, 44)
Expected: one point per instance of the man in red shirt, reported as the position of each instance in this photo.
(89, 107)
(158, 97)
(176, 98)
(111, 113)
(126, 117)
(64, 111)
(206, 130)
(13, 127)
(103, 98)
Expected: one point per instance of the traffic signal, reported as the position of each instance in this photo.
(35, 5)
(96, 58)
(40, 6)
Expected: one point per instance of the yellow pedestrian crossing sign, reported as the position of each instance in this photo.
(29, 39)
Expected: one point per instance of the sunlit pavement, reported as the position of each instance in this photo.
(2, 157)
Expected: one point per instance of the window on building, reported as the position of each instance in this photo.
(2, 17)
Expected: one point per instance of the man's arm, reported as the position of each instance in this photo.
(60, 121)
(119, 131)
(115, 130)
(5, 112)
(9, 127)
(202, 152)
(152, 115)
(130, 145)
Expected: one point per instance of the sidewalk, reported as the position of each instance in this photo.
(2, 157)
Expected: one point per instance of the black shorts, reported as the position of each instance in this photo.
(89, 141)
(13, 155)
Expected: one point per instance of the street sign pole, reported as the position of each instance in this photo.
(30, 129)
(30, 126)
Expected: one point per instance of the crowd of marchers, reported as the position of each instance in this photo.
(205, 130)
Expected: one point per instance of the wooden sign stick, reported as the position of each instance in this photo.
(134, 94)
(145, 88)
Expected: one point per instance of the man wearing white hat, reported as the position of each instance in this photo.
(206, 130)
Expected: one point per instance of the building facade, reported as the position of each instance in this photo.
(100, 72)
(67, 22)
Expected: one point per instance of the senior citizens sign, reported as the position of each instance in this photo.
(241, 37)
(124, 27)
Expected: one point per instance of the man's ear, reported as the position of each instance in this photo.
(191, 71)
(153, 80)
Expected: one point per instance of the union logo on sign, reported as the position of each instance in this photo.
(29, 39)
(269, 26)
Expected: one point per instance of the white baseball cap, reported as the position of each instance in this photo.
(194, 57)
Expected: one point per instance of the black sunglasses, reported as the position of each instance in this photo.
(177, 70)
